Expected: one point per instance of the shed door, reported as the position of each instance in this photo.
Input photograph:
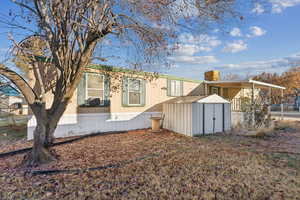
(208, 112)
(218, 118)
(213, 118)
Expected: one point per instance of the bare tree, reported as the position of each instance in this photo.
(232, 77)
(66, 34)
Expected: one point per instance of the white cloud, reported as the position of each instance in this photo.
(235, 46)
(274, 65)
(258, 8)
(256, 31)
(236, 32)
(161, 26)
(279, 5)
(190, 60)
(194, 44)
(184, 8)
(187, 49)
(189, 45)
(216, 30)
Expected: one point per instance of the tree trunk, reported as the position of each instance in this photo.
(50, 128)
(43, 135)
(42, 139)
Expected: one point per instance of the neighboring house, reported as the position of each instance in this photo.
(104, 103)
(11, 100)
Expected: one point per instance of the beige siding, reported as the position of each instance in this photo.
(156, 94)
(236, 93)
(199, 90)
(242, 92)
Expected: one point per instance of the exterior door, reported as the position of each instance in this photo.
(218, 118)
(208, 118)
(213, 118)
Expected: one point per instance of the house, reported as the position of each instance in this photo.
(127, 100)
(124, 101)
(11, 100)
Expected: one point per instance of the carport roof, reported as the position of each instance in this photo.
(197, 99)
(244, 84)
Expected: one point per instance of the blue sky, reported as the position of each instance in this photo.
(268, 40)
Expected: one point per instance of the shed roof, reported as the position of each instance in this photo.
(197, 99)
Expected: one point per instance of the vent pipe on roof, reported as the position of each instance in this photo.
(213, 75)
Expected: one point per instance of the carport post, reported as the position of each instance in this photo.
(281, 105)
(270, 100)
(253, 109)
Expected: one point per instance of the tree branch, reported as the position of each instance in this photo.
(20, 82)
(24, 6)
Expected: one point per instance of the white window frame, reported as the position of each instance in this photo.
(140, 91)
(86, 87)
(179, 85)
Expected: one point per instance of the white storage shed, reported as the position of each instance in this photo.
(197, 115)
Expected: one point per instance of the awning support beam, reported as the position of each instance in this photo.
(269, 100)
(281, 105)
(253, 106)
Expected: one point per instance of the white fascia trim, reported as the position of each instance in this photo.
(212, 82)
(249, 81)
(266, 84)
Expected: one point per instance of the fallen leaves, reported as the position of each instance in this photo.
(185, 168)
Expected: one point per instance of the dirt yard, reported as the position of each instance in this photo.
(144, 165)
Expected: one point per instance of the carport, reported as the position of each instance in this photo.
(252, 84)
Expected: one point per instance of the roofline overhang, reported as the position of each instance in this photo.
(250, 81)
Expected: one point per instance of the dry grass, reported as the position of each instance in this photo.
(11, 134)
(213, 167)
(264, 132)
(287, 126)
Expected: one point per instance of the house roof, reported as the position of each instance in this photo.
(139, 72)
(197, 99)
(246, 83)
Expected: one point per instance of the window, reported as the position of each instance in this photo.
(133, 92)
(95, 89)
(175, 88)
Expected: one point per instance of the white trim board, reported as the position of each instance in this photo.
(247, 82)
(82, 124)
